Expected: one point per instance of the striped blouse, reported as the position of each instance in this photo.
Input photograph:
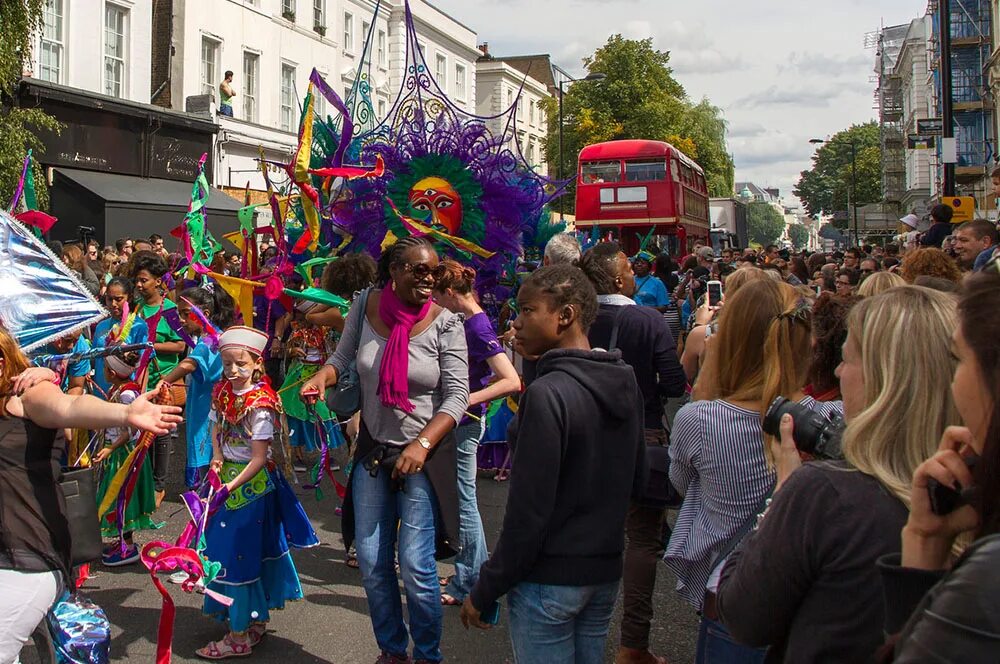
(717, 462)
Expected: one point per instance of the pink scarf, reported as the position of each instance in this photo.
(393, 381)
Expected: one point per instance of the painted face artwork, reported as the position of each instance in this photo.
(437, 202)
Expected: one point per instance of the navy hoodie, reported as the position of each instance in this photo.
(578, 458)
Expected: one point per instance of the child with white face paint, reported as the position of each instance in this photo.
(251, 533)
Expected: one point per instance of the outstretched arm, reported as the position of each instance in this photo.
(46, 405)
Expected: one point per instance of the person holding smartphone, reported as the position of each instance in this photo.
(940, 611)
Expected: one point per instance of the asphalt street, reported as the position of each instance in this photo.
(331, 622)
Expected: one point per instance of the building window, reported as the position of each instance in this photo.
(209, 66)
(319, 14)
(510, 97)
(115, 49)
(460, 82)
(348, 32)
(531, 152)
(531, 112)
(251, 78)
(441, 71)
(287, 97)
(319, 101)
(347, 92)
(50, 55)
(288, 10)
(381, 108)
(366, 27)
(381, 49)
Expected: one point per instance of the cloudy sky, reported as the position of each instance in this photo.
(783, 71)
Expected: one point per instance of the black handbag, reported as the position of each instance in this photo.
(77, 485)
(345, 398)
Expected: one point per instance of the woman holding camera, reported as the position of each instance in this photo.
(805, 582)
(717, 451)
(953, 611)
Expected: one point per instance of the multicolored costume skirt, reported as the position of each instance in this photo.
(494, 452)
(302, 423)
(250, 537)
(142, 504)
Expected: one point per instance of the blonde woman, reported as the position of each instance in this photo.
(696, 343)
(880, 282)
(717, 450)
(805, 583)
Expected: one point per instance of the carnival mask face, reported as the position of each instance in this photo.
(438, 203)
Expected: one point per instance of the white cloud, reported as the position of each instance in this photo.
(783, 70)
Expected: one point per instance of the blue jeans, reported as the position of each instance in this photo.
(380, 516)
(560, 624)
(226, 110)
(716, 646)
(471, 539)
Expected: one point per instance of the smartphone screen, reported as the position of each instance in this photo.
(491, 616)
(714, 293)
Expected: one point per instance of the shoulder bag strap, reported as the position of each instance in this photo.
(613, 343)
(738, 536)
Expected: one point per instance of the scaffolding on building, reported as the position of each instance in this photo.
(889, 104)
(971, 47)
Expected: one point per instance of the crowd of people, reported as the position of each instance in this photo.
(833, 467)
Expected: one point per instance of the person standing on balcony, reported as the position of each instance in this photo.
(226, 94)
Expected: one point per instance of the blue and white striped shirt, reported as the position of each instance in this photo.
(717, 461)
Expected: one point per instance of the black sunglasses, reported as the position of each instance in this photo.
(421, 271)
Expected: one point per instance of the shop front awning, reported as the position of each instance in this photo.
(117, 206)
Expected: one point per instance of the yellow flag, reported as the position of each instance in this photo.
(240, 290)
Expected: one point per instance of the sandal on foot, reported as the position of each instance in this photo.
(256, 633)
(352, 562)
(448, 600)
(224, 649)
(445, 580)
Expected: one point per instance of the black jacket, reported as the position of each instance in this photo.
(648, 347)
(936, 234)
(953, 616)
(578, 458)
(805, 582)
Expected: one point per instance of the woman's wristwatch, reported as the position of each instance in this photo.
(425, 443)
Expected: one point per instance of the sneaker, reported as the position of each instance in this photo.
(178, 577)
(116, 559)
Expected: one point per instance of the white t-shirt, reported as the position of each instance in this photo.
(111, 434)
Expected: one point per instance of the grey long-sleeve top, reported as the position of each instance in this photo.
(438, 373)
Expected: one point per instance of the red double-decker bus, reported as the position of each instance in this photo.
(627, 187)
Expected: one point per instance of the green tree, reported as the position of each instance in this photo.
(764, 224)
(825, 188)
(19, 127)
(639, 98)
(799, 235)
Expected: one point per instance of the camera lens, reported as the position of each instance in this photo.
(813, 434)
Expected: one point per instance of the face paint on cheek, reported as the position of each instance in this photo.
(238, 373)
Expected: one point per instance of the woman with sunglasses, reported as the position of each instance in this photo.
(413, 370)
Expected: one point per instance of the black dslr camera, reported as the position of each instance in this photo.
(813, 433)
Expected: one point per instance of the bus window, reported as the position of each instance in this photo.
(645, 171)
(594, 172)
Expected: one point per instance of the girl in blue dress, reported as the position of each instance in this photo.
(261, 518)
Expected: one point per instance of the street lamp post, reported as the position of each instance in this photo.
(852, 197)
(559, 165)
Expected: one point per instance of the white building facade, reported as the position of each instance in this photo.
(918, 101)
(499, 86)
(271, 46)
(97, 45)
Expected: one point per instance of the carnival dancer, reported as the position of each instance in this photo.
(453, 289)
(123, 326)
(307, 350)
(202, 369)
(118, 445)
(147, 273)
(251, 533)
